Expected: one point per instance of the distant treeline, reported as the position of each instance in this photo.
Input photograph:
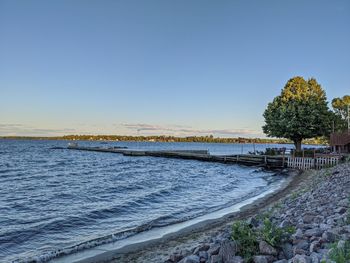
(205, 139)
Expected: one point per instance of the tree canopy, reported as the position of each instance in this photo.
(340, 106)
(299, 112)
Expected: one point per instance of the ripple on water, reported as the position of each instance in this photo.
(54, 198)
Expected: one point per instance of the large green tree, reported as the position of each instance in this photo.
(299, 112)
(340, 106)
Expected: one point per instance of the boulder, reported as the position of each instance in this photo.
(228, 250)
(287, 249)
(302, 244)
(260, 259)
(237, 259)
(215, 259)
(301, 259)
(190, 259)
(267, 249)
(214, 249)
(340, 210)
(309, 217)
(177, 256)
(203, 255)
(330, 236)
(202, 247)
(316, 232)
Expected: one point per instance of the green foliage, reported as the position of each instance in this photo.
(340, 255)
(299, 112)
(273, 234)
(340, 106)
(246, 238)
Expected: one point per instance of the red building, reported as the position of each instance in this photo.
(340, 142)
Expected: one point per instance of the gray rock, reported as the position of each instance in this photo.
(177, 256)
(314, 246)
(287, 249)
(301, 259)
(302, 244)
(325, 226)
(299, 251)
(215, 259)
(330, 236)
(313, 232)
(340, 210)
(260, 259)
(190, 259)
(281, 261)
(267, 249)
(237, 259)
(281, 255)
(228, 250)
(201, 247)
(298, 234)
(315, 257)
(285, 223)
(203, 255)
(214, 249)
(309, 217)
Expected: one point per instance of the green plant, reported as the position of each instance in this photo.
(277, 205)
(327, 173)
(273, 234)
(266, 214)
(340, 254)
(246, 239)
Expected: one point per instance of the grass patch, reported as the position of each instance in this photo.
(340, 255)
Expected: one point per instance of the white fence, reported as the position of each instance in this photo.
(306, 163)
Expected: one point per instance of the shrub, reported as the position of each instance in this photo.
(246, 239)
(273, 234)
(340, 254)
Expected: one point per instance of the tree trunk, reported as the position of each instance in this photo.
(297, 143)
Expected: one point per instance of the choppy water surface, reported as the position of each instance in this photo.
(51, 198)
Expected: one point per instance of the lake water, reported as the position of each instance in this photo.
(52, 199)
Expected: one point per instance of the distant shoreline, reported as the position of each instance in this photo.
(191, 139)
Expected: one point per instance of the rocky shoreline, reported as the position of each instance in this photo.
(317, 211)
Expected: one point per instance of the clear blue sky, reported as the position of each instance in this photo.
(162, 67)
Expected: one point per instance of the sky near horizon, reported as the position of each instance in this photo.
(186, 67)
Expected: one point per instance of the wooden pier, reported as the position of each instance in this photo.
(200, 155)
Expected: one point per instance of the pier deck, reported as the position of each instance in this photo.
(200, 155)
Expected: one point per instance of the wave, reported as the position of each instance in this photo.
(162, 221)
